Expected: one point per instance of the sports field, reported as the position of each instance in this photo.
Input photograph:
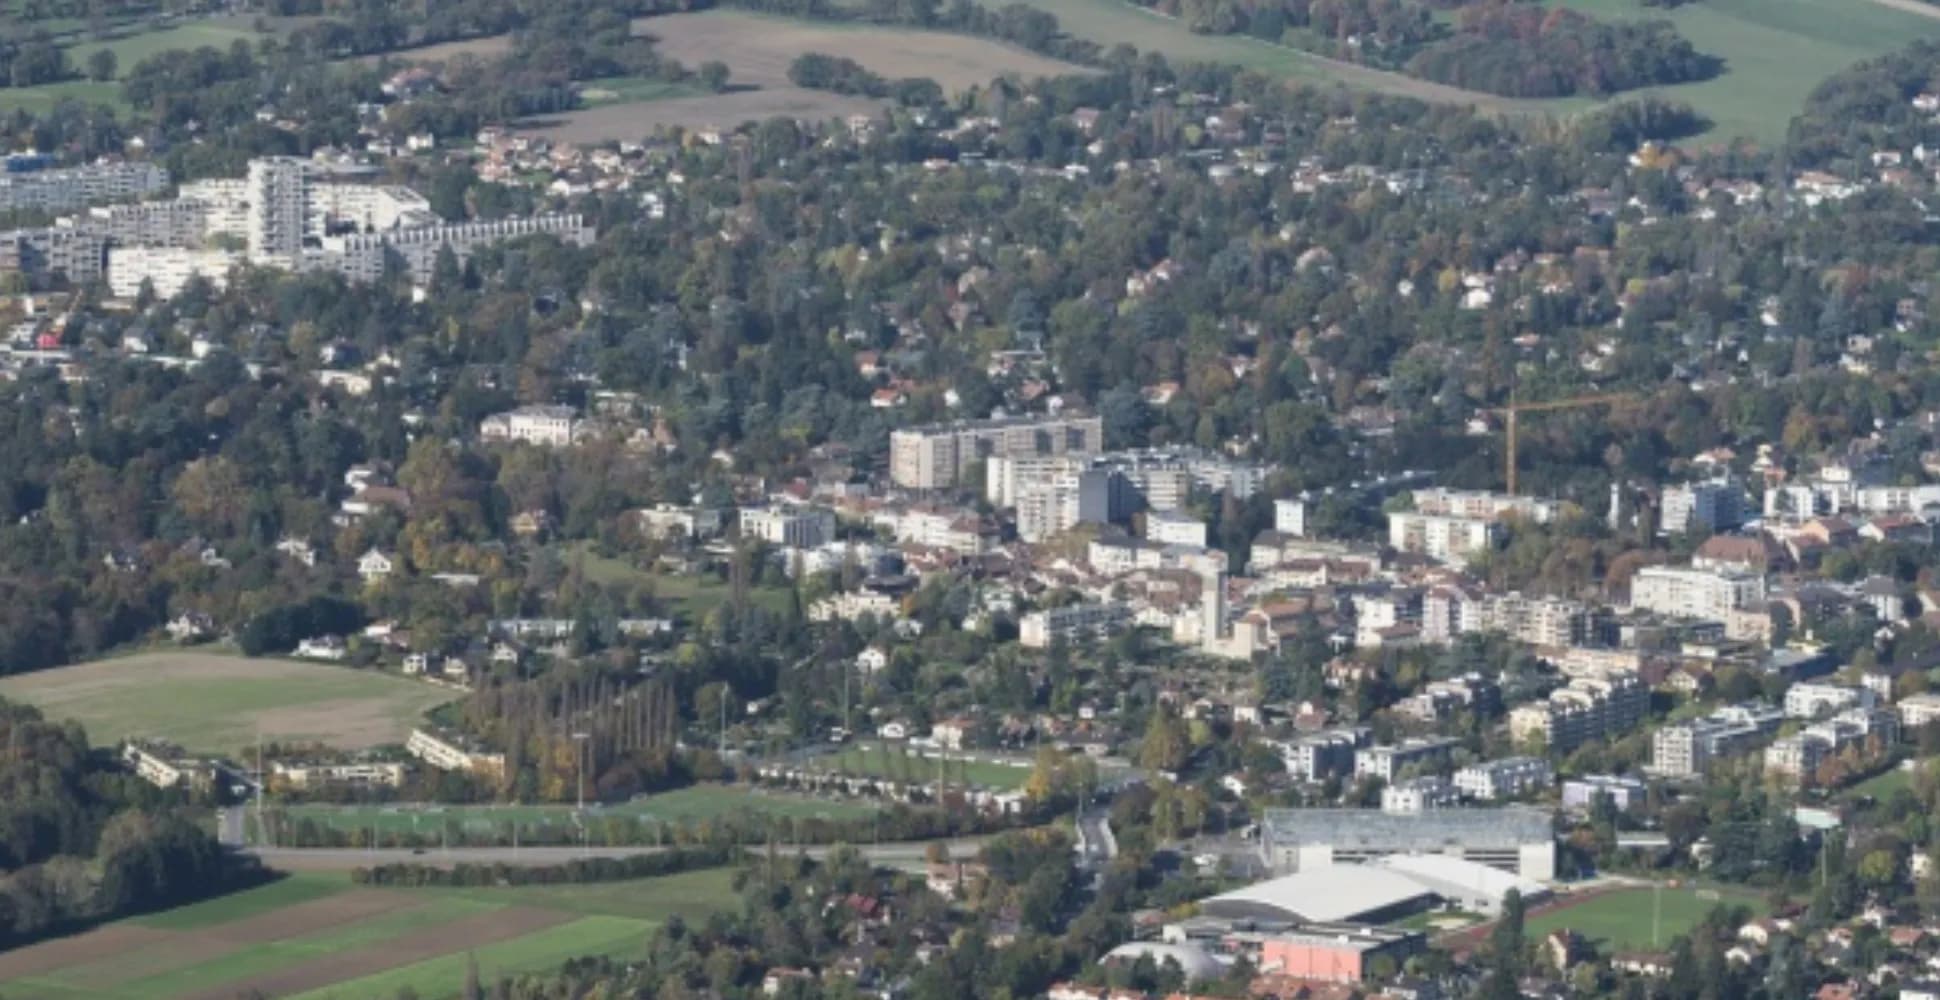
(209, 702)
(321, 936)
(679, 808)
(898, 763)
(1622, 919)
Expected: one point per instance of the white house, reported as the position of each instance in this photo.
(871, 660)
(374, 565)
(323, 647)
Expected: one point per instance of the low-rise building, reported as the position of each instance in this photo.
(453, 753)
(1688, 749)
(1416, 794)
(1388, 762)
(1588, 708)
(1073, 623)
(1507, 778)
(789, 527)
(1624, 792)
(545, 426)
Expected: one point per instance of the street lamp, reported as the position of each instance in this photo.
(579, 756)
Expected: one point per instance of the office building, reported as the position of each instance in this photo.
(1688, 749)
(935, 457)
(1515, 839)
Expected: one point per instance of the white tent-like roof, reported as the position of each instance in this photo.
(1469, 884)
(1320, 895)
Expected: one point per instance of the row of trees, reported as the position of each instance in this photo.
(819, 71)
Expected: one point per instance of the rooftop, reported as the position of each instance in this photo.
(1424, 832)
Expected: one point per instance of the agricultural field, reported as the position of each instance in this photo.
(138, 45)
(318, 935)
(210, 702)
(758, 49)
(1621, 919)
(895, 763)
(481, 48)
(698, 804)
(1775, 51)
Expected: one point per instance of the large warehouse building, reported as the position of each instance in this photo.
(1379, 891)
(1514, 839)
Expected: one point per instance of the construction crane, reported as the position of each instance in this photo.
(1514, 408)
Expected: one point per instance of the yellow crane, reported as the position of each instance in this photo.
(1514, 408)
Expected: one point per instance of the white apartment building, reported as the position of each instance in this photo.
(1588, 708)
(1387, 762)
(1169, 528)
(1320, 756)
(1703, 508)
(789, 527)
(935, 528)
(1688, 749)
(1290, 517)
(1417, 794)
(935, 457)
(449, 754)
(1507, 778)
(1798, 756)
(167, 270)
(1538, 621)
(1073, 623)
(670, 521)
(66, 188)
(1812, 700)
(1918, 710)
(1694, 593)
(1442, 537)
(1480, 505)
(545, 426)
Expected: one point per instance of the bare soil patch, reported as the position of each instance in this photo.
(95, 945)
(482, 48)
(722, 111)
(471, 932)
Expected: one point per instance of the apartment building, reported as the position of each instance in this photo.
(1813, 699)
(1694, 593)
(935, 457)
(1444, 538)
(1479, 505)
(77, 254)
(1319, 756)
(1438, 700)
(300, 776)
(1918, 710)
(1073, 623)
(1417, 794)
(1688, 749)
(1797, 757)
(940, 528)
(789, 527)
(1588, 708)
(1171, 528)
(1507, 778)
(67, 188)
(670, 521)
(1538, 621)
(1624, 792)
(1290, 516)
(546, 426)
(451, 753)
(1388, 762)
(1702, 508)
(166, 270)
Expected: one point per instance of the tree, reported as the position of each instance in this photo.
(713, 75)
(102, 65)
(1166, 742)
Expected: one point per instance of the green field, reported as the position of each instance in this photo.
(692, 595)
(40, 100)
(681, 807)
(1621, 920)
(632, 90)
(210, 702)
(141, 45)
(335, 939)
(901, 763)
(1775, 51)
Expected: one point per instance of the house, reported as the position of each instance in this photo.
(893, 730)
(531, 523)
(417, 663)
(190, 626)
(772, 983)
(1642, 963)
(298, 549)
(374, 565)
(1563, 949)
(950, 733)
(324, 647)
(872, 660)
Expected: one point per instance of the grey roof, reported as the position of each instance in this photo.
(1326, 893)
(1427, 831)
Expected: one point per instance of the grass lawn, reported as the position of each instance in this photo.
(1775, 52)
(41, 99)
(1883, 785)
(444, 976)
(869, 760)
(689, 895)
(1621, 920)
(692, 595)
(634, 89)
(686, 805)
(212, 702)
(141, 45)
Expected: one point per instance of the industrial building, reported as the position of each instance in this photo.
(1514, 838)
(1379, 891)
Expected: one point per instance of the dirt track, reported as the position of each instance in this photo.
(63, 952)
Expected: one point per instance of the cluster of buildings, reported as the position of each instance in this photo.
(289, 213)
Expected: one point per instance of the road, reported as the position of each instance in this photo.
(900, 854)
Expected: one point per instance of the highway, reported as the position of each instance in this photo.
(898, 854)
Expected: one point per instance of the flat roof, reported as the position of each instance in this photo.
(1427, 831)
